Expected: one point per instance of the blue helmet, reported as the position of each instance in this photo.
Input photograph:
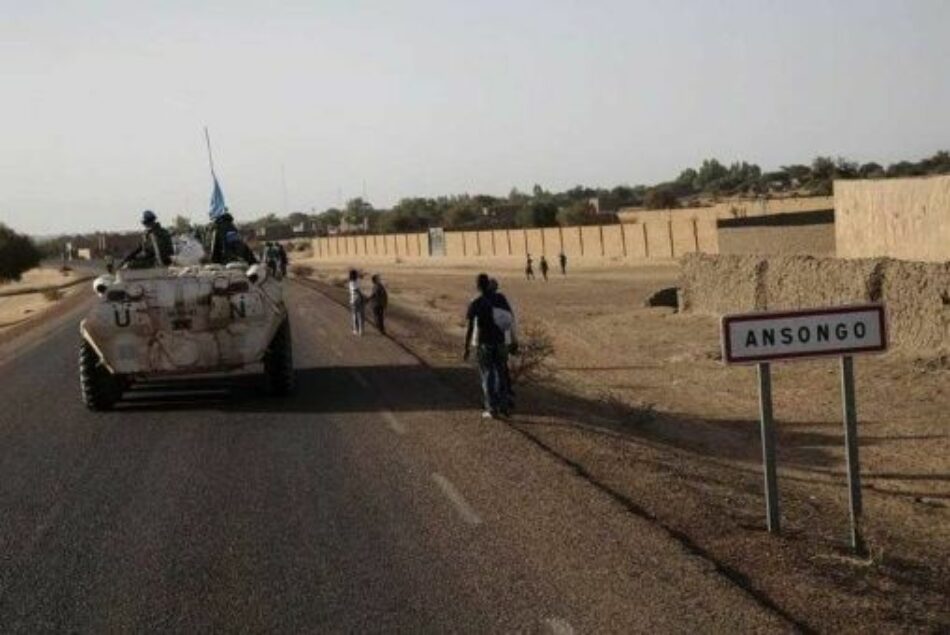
(148, 217)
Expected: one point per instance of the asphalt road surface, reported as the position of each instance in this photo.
(374, 499)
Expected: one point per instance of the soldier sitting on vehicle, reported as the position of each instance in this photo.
(224, 240)
(156, 249)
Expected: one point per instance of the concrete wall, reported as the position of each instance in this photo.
(653, 240)
(805, 233)
(898, 218)
(612, 236)
(916, 295)
(738, 208)
(659, 239)
(571, 239)
(813, 240)
(552, 241)
(684, 238)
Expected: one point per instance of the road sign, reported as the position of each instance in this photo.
(761, 338)
(764, 337)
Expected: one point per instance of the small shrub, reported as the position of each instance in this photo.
(536, 347)
(52, 294)
(301, 271)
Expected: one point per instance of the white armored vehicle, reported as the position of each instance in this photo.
(180, 321)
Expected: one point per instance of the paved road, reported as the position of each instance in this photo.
(373, 500)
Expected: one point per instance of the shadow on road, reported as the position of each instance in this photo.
(319, 390)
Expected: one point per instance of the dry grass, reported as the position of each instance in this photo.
(301, 271)
(535, 351)
(52, 294)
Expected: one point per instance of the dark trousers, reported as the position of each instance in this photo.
(493, 369)
(378, 315)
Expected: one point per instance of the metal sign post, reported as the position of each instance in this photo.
(768, 448)
(762, 338)
(851, 452)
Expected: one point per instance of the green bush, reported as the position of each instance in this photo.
(17, 254)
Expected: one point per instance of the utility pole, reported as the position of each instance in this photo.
(283, 181)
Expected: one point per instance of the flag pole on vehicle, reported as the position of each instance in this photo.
(218, 206)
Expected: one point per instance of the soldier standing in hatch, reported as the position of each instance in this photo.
(224, 240)
(156, 249)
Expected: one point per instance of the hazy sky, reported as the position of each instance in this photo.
(103, 103)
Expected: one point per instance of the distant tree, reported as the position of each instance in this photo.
(328, 218)
(845, 169)
(579, 193)
(904, 168)
(356, 210)
(537, 214)
(263, 221)
(871, 170)
(709, 173)
(182, 224)
(661, 197)
(516, 196)
(778, 180)
(939, 163)
(18, 253)
(687, 180)
(577, 213)
(461, 214)
(798, 174)
(295, 218)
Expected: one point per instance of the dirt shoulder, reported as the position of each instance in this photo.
(43, 295)
(638, 404)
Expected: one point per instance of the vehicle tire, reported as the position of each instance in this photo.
(279, 362)
(100, 389)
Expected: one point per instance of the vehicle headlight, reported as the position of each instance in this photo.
(101, 284)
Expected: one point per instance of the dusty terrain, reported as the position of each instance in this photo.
(39, 294)
(637, 402)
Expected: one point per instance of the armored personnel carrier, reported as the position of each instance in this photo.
(181, 321)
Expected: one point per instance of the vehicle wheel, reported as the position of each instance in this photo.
(100, 390)
(279, 362)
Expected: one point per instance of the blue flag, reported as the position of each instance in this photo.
(218, 208)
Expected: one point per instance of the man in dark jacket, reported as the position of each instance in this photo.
(225, 243)
(282, 260)
(378, 301)
(490, 345)
(156, 248)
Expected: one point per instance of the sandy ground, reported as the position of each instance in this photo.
(19, 308)
(639, 403)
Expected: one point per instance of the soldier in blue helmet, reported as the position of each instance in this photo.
(225, 243)
(156, 248)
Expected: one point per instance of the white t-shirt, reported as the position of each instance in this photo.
(356, 295)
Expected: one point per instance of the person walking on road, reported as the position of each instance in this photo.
(563, 260)
(505, 320)
(544, 268)
(357, 303)
(529, 268)
(282, 260)
(379, 300)
(489, 341)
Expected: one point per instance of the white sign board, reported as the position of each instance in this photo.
(763, 337)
